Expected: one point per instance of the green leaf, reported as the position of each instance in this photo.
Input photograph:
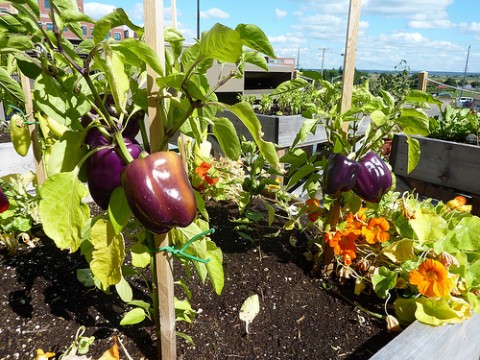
(17, 42)
(11, 86)
(227, 137)
(243, 110)
(66, 153)
(142, 50)
(257, 59)
(85, 276)
(118, 209)
(290, 85)
(414, 153)
(62, 210)
(271, 213)
(116, 18)
(399, 251)
(417, 96)
(383, 279)
(437, 311)
(140, 255)
(124, 290)
(221, 43)
(307, 127)
(414, 122)
(134, 316)
(117, 77)
(254, 37)
(429, 227)
(108, 253)
(378, 117)
(405, 309)
(302, 172)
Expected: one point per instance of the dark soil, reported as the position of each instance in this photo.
(43, 304)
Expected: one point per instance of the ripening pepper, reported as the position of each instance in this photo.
(4, 203)
(339, 174)
(104, 169)
(158, 191)
(20, 135)
(373, 179)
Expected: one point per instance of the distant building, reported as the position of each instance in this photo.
(87, 28)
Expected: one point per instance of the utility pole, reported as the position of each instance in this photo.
(465, 72)
(298, 59)
(198, 19)
(323, 58)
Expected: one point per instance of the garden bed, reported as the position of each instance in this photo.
(301, 317)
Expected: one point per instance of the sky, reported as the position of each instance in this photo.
(429, 35)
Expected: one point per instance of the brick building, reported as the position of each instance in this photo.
(117, 33)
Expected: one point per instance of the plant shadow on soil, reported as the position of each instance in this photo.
(43, 304)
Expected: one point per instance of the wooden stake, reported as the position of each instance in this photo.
(422, 80)
(154, 37)
(37, 152)
(350, 54)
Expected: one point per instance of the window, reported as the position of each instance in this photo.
(49, 25)
(40, 24)
(47, 4)
(117, 36)
(84, 30)
(65, 29)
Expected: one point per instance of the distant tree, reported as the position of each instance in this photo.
(451, 81)
(397, 83)
(475, 84)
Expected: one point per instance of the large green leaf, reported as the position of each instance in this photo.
(437, 311)
(11, 86)
(57, 100)
(62, 210)
(243, 110)
(227, 137)
(290, 85)
(383, 279)
(414, 122)
(414, 153)
(66, 154)
(253, 37)
(142, 50)
(118, 209)
(116, 18)
(117, 77)
(17, 42)
(221, 43)
(108, 253)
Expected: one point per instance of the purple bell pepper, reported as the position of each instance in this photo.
(374, 178)
(339, 174)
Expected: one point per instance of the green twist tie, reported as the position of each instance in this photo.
(26, 122)
(180, 252)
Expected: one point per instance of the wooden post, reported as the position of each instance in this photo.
(422, 80)
(37, 152)
(154, 37)
(350, 54)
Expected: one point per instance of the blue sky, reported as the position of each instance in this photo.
(430, 35)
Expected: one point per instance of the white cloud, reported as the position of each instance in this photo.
(280, 14)
(96, 10)
(214, 13)
(288, 39)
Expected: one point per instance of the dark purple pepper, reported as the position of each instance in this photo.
(4, 203)
(104, 169)
(158, 191)
(374, 178)
(339, 174)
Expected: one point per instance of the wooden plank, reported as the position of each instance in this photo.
(422, 80)
(164, 286)
(419, 341)
(441, 162)
(350, 55)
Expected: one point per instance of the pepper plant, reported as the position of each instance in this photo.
(89, 102)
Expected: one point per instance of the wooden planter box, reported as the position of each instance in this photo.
(280, 130)
(445, 170)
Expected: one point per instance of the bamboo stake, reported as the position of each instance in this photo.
(154, 37)
(37, 153)
(350, 54)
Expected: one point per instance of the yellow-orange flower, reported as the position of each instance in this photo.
(459, 203)
(376, 231)
(431, 279)
(313, 209)
(343, 244)
(355, 222)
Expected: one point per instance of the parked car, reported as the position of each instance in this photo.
(464, 101)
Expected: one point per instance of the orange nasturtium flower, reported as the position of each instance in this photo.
(202, 171)
(357, 221)
(376, 231)
(313, 209)
(431, 279)
(459, 203)
(343, 243)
